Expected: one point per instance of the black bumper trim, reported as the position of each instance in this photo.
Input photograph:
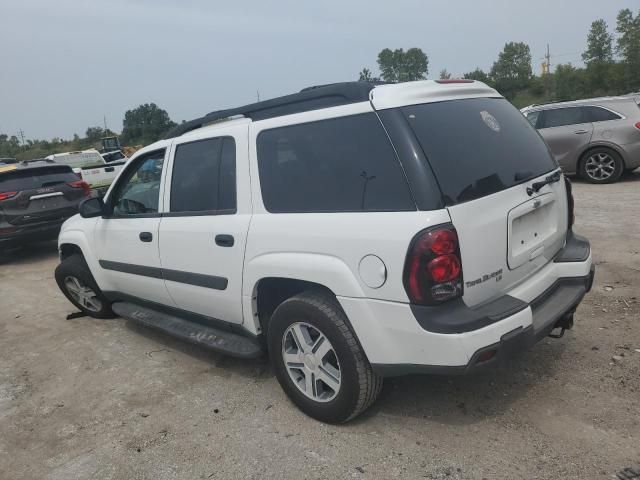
(552, 306)
(576, 249)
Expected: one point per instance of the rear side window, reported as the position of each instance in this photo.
(478, 146)
(204, 176)
(598, 114)
(559, 117)
(343, 164)
(34, 178)
(533, 118)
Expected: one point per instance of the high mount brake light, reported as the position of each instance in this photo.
(83, 185)
(6, 195)
(454, 80)
(433, 267)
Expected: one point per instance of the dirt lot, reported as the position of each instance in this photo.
(104, 399)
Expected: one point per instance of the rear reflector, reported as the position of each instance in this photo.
(5, 195)
(486, 356)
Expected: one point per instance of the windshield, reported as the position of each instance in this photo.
(478, 146)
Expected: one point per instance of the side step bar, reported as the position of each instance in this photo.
(227, 343)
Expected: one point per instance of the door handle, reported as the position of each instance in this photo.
(581, 132)
(145, 236)
(224, 240)
(109, 169)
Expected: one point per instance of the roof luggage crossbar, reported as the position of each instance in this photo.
(311, 98)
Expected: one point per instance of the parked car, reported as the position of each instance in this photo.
(91, 167)
(350, 231)
(597, 138)
(36, 197)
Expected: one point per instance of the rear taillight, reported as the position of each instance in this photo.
(433, 267)
(83, 185)
(6, 195)
(638, 125)
(571, 215)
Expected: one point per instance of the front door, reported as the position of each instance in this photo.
(204, 227)
(567, 132)
(126, 241)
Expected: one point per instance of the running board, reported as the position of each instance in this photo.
(227, 343)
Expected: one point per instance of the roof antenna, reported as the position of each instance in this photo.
(258, 94)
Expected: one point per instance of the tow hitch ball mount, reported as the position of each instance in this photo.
(565, 323)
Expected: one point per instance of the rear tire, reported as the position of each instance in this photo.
(326, 373)
(601, 165)
(76, 282)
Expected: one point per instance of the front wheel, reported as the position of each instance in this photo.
(317, 359)
(601, 165)
(78, 285)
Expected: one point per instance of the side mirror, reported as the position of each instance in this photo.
(91, 207)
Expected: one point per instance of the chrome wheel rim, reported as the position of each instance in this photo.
(311, 362)
(82, 294)
(600, 166)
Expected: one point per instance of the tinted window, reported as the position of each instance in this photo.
(138, 191)
(533, 118)
(340, 165)
(558, 117)
(478, 146)
(34, 178)
(597, 114)
(204, 176)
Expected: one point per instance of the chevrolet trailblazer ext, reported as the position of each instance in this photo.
(351, 231)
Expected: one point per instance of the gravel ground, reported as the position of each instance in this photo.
(90, 399)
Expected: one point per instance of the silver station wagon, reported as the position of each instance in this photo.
(597, 138)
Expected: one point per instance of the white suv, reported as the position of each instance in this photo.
(351, 231)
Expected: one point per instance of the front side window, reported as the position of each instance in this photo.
(559, 117)
(138, 192)
(344, 164)
(204, 176)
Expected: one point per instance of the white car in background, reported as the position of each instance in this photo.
(91, 167)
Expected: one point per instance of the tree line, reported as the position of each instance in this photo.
(612, 67)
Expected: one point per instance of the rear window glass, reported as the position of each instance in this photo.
(344, 164)
(80, 160)
(478, 146)
(34, 178)
(598, 114)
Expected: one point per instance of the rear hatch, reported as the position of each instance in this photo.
(37, 194)
(485, 155)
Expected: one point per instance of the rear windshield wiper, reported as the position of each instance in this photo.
(536, 186)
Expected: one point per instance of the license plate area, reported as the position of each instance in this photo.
(533, 226)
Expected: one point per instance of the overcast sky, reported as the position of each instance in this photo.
(66, 63)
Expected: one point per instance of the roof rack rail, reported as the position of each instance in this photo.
(310, 98)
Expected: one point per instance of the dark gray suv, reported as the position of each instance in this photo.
(35, 199)
(596, 138)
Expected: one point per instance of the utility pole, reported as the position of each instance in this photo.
(547, 79)
(21, 134)
(104, 117)
(258, 94)
(548, 59)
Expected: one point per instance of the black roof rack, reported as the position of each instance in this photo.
(310, 98)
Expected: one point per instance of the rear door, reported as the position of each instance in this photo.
(204, 227)
(39, 194)
(568, 133)
(485, 154)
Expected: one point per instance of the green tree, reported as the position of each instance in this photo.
(444, 74)
(628, 46)
(512, 71)
(478, 74)
(569, 82)
(145, 124)
(598, 57)
(366, 76)
(401, 66)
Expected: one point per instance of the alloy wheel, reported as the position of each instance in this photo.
(311, 362)
(600, 166)
(82, 294)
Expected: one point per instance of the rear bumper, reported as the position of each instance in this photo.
(398, 343)
(31, 233)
